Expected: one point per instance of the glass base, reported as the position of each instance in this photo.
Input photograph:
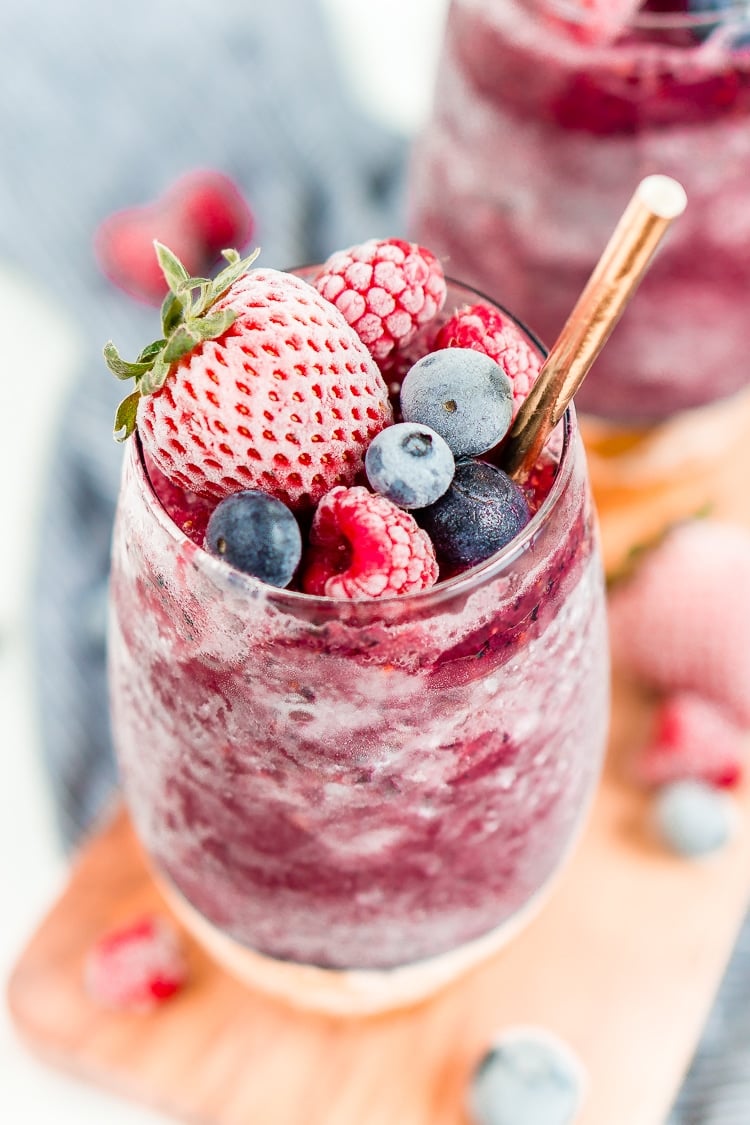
(345, 992)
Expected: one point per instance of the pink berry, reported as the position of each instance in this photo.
(486, 329)
(682, 622)
(199, 216)
(386, 289)
(286, 400)
(363, 546)
(137, 966)
(693, 739)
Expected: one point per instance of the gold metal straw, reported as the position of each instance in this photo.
(656, 202)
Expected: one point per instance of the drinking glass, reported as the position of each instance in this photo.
(349, 803)
(546, 113)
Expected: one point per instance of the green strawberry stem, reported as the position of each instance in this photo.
(186, 322)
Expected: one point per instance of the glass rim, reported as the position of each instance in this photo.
(575, 13)
(444, 590)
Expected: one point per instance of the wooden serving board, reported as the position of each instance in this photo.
(623, 962)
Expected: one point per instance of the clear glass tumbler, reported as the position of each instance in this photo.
(351, 802)
(546, 114)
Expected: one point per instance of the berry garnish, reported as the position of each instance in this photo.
(386, 289)
(486, 329)
(409, 464)
(482, 511)
(693, 738)
(694, 819)
(681, 622)
(463, 395)
(258, 382)
(363, 546)
(137, 966)
(256, 533)
(527, 1078)
(200, 215)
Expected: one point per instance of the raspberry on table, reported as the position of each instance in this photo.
(487, 330)
(137, 966)
(693, 738)
(387, 289)
(364, 546)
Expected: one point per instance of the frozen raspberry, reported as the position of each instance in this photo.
(487, 330)
(363, 546)
(137, 966)
(693, 738)
(682, 622)
(386, 289)
(191, 513)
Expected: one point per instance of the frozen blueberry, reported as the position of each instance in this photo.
(409, 464)
(527, 1078)
(462, 394)
(693, 818)
(257, 534)
(482, 511)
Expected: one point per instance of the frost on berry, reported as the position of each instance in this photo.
(137, 966)
(486, 329)
(363, 546)
(286, 401)
(386, 289)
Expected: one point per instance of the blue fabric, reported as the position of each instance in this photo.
(104, 106)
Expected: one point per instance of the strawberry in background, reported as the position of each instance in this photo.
(202, 214)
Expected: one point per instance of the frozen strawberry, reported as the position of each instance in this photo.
(137, 966)
(487, 330)
(363, 546)
(199, 216)
(258, 382)
(387, 290)
(693, 738)
(682, 621)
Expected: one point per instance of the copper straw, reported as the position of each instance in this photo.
(657, 201)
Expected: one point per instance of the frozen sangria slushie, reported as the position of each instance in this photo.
(544, 112)
(359, 676)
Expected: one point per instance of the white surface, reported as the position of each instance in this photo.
(388, 51)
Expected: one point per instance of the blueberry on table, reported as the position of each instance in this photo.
(527, 1078)
(693, 818)
(479, 514)
(463, 395)
(409, 464)
(256, 533)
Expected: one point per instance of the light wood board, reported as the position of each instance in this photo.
(623, 962)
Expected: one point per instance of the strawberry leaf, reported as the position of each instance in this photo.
(125, 416)
(155, 378)
(181, 342)
(121, 368)
(171, 266)
(214, 324)
(172, 313)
